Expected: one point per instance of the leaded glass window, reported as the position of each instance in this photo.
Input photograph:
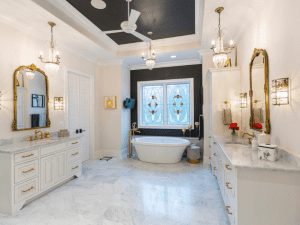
(166, 104)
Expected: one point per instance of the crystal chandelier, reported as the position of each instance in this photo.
(53, 60)
(150, 59)
(221, 52)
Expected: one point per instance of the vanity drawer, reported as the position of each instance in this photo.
(53, 148)
(74, 167)
(26, 190)
(26, 156)
(74, 144)
(74, 154)
(26, 171)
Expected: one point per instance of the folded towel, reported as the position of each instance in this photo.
(258, 115)
(227, 117)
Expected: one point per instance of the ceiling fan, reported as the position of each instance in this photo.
(130, 26)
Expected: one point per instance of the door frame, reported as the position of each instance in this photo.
(92, 106)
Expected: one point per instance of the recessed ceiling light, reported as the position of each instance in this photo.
(149, 32)
(98, 4)
(173, 56)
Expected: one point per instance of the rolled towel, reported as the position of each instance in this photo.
(227, 117)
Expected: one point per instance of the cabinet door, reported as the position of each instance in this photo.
(60, 168)
(47, 175)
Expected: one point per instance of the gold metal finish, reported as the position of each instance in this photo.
(131, 133)
(219, 9)
(228, 167)
(28, 171)
(29, 189)
(251, 136)
(256, 53)
(27, 156)
(194, 161)
(33, 68)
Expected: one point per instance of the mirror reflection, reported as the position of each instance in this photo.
(259, 91)
(31, 98)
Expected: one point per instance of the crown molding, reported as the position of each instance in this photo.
(185, 62)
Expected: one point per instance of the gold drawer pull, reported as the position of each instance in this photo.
(76, 167)
(75, 153)
(228, 211)
(29, 189)
(74, 143)
(28, 171)
(228, 185)
(228, 167)
(26, 156)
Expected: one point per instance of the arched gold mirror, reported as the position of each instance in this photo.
(30, 99)
(259, 91)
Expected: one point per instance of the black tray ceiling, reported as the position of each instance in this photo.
(165, 18)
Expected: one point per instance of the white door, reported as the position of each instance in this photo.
(79, 109)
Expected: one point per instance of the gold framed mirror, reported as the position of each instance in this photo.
(259, 92)
(31, 99)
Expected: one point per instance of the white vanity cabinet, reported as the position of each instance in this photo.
(26, 173)
(256, 192)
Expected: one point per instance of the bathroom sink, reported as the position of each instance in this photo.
(237, 144)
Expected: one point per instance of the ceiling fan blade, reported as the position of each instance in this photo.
(140, 36)
(113, 31)
(134, 15)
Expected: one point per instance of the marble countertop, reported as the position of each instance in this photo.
(241, 155)
(20, 146)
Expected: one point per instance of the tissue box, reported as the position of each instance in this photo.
(268, 152)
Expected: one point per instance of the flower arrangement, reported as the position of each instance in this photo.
(257, 126)
(233, 127)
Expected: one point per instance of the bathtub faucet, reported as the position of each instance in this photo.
(131, 134)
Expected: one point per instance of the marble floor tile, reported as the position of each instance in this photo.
(130, 192)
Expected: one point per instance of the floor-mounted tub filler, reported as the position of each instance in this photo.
(160, 149)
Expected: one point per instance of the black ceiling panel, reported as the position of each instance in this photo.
(165, 18)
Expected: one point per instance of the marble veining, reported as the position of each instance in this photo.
(244, 156)
(18, 146)
(130, 192)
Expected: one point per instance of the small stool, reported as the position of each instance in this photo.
(193, 154)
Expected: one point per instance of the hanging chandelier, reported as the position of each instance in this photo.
(220, 51)
(150, 58)
(53, 60)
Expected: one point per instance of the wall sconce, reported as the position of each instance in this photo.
(280, 91)
(58, 103)
(243, 100)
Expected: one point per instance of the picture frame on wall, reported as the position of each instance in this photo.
(110, 102)
(37, 101)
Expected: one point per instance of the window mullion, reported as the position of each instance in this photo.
(165, 105)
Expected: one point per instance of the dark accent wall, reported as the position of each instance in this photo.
(179, 72)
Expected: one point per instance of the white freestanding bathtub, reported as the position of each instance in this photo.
(160, 149)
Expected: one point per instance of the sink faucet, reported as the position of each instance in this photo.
(38, 134)
(250, 137)
(132, 132)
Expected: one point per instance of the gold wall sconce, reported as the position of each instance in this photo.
(243, 100)
(280, 91)
(58, 103)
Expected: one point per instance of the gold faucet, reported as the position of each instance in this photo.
(132, 132)
(250, 137)
(36, 136)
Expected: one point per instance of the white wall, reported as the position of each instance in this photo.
(275, 28)
(112, 125)
(18, 49)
